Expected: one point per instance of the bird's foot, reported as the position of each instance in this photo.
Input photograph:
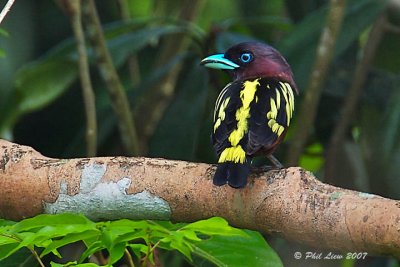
(275, 161)
(263, 169)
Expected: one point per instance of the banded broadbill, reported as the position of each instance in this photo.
(253, 112)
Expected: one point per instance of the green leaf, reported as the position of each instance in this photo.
(7, 238)
(8, 249)
(106, 238)
(68, 239)
(6, 223)
(132, 236)
(93, 247)
(109, 236)
(43, 220)
(190, 235)
(215, 226)
(238, 251)
(167, 225)
(124, 45)
(51, 231)
(116, 252)
(139, 249)
(21, 258)
(124, 230)
(73, 264)
(34, 239)
(45, 230)
(53, 264)
(176, 241)
(86, 265)
(44, 227)
(41, 82)
(185, 238)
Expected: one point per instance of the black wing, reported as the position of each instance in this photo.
(228, 102)
(270, 115)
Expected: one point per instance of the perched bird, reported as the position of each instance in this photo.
(253, 112)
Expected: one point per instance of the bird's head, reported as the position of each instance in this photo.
(252, 60)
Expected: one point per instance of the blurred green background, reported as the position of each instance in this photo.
(157, 45)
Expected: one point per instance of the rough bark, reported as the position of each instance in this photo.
(290, 203)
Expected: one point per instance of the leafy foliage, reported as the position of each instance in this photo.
(211, 240)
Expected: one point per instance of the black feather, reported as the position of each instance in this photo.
(234, 174)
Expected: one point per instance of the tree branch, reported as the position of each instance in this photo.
(6, 9)
(290, 203)
(109, 74)
(73, 9)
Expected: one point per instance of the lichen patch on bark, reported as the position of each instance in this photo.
(108, 200)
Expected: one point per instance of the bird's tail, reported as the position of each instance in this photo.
(235, 174)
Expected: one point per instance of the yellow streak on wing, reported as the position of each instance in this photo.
(271, 122)
(285, 93)
(290, 106)
(280, 130)
(289, 91)
(221, 113)
(275, 105)
(278, 99)
(217, 124)
(275, 127)
(235, 154)
(287, 104)
(274, 111)
(291, 98)
(243, 113)
(219, 98)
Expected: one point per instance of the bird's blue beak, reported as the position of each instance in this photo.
(218, 61)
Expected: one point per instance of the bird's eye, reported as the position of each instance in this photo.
(246, 57)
